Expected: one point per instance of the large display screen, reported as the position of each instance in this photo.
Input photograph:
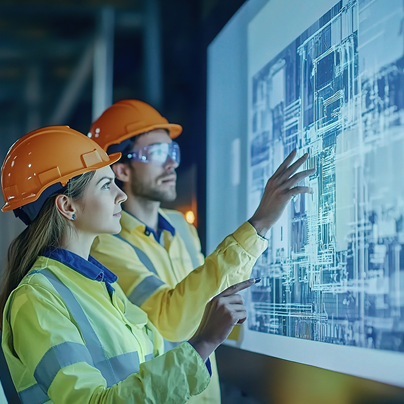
(327, 78)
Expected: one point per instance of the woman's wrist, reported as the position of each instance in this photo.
(203, 348)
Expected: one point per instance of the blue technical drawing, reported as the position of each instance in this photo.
(334, 269)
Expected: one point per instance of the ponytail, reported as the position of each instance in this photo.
(46, 231)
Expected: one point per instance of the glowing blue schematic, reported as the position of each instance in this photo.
(334, 269)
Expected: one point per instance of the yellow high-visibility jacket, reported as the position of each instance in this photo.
(160, 275)
(70, 335)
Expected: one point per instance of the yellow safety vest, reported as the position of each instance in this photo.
(161, 278)
(71, 339)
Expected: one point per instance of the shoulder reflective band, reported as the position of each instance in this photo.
(90, 337)
(145, 289)
(148, 285)
(144, 259)
(180, 225)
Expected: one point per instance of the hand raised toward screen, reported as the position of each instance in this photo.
(279, 189)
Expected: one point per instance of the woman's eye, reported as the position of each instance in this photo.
(106, 186)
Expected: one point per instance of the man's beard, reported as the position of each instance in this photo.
(148, 192)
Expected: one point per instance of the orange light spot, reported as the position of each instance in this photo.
(190, 217)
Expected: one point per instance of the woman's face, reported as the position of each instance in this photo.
(98, 211)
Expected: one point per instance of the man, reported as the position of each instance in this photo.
(157, 254)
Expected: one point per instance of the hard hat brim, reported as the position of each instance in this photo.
(9, 205)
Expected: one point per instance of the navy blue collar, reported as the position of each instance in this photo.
(91, 269)
(162, 224)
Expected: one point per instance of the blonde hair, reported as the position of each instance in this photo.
(45, 231)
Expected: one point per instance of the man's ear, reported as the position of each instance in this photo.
(65, 206)
(122, 172)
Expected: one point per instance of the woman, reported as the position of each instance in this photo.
(69, 333)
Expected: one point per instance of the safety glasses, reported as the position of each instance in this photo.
(156, 154)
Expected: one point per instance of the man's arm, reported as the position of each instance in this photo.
(176, 312)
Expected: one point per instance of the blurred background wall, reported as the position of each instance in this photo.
(64, 62)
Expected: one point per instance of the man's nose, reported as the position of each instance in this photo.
(170, 163)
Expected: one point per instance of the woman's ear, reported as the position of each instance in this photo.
(65, 207)
(122, 172)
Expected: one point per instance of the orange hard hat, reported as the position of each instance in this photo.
(125, 119)
(47, 156)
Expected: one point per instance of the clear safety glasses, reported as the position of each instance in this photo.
(157, 154)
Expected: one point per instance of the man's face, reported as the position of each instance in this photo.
(149, 181)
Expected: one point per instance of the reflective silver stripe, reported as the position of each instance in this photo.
(180, 225)
(145, 289)
(124, 365)
(114, 369)
(168, 345)
(93, 344)
(33, 395)
(144, 259)
(58, 357)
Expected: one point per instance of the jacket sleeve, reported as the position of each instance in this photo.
(176, 312)
(40, 338)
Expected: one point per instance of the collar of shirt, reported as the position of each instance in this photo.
(162, 224)
(90, 268)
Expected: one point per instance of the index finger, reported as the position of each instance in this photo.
(239, 286)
